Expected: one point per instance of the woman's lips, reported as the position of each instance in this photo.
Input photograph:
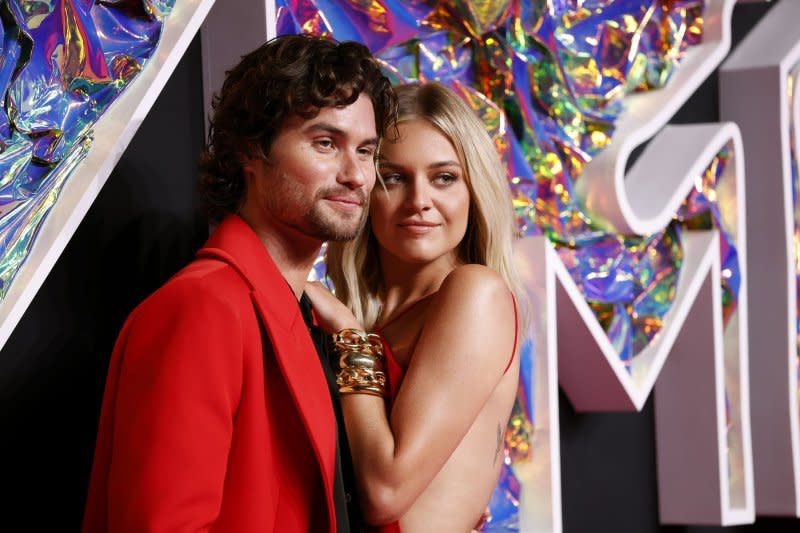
(418, 227)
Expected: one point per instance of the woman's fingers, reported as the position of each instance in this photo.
(332, 314)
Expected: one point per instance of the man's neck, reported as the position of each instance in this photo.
(294, 253)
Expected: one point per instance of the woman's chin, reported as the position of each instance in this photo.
(419, 256)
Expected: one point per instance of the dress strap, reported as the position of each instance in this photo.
(516, 334)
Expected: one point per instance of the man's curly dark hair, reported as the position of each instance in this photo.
(287, 76)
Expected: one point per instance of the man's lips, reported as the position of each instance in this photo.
(347, 201)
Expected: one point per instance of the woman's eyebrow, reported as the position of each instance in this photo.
(440, 164)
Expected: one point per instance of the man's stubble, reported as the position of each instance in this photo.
(312, 217)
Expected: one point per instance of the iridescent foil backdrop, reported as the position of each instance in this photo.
(549, 78)
(712, 204)
(63, 63)
(794, 162)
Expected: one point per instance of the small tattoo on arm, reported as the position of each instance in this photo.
(499, 443)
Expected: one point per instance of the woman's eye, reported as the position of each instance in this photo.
(445, 178)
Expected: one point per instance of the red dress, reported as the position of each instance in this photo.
(395, 375)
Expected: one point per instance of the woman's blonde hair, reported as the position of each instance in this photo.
(354, 266)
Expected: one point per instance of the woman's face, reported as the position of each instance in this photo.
(422, 216)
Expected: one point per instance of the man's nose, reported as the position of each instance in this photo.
(353, 172)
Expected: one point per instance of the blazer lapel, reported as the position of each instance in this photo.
(235, 243)
(297, 357)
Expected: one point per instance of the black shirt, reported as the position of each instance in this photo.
(348, 514)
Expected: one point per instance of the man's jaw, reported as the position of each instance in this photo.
(336, 224)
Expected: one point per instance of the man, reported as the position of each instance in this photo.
(217, 414)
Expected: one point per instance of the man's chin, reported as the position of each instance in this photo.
(342, 234)
(338, 230)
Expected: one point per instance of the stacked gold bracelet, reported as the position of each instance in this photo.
(361, 369)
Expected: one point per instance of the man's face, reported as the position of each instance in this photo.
(320, 172)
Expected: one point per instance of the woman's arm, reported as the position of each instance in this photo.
(330, 312)
(458, 361)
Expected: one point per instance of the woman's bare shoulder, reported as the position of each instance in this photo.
(477, 281)
(477, 295)
(472, 318)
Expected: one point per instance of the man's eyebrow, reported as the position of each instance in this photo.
(373, 141)
(333, 130)
(326, 127)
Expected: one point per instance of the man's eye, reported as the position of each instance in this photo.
(391, 178)
(367, 152)
(323, 143)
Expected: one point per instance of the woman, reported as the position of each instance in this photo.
(432, 273)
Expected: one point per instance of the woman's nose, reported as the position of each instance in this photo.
(418, 196)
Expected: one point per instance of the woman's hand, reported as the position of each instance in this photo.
(332, 314)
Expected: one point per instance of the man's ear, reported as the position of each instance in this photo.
(251, 170)
(251, 167)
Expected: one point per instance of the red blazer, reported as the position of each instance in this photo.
(203, 427)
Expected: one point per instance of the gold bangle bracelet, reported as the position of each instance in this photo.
(354, 379)
(380, 393)
(357, 340)
(360, 362)
(360, 359)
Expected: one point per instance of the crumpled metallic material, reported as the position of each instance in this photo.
(63, 63)
(707, 208)
(550, 79)
(793, 86)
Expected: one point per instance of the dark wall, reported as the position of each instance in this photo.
(143, 227)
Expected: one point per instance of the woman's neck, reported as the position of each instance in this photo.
(405, 283)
